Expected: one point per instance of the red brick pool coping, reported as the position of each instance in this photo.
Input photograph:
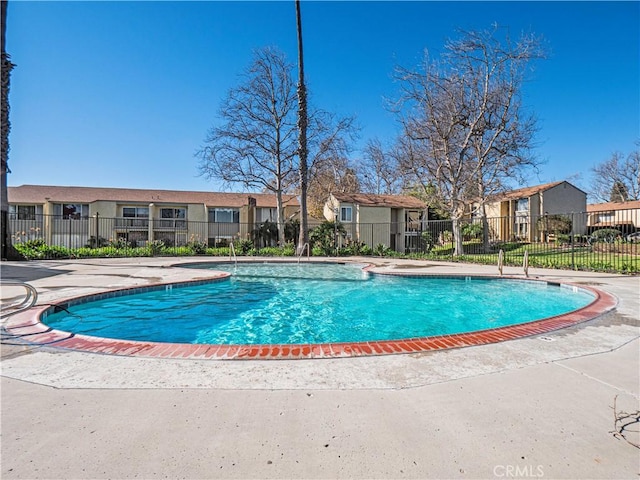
(28, 329)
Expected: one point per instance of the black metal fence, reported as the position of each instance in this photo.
(594, 240)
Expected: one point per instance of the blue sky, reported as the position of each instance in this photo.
(122, 94)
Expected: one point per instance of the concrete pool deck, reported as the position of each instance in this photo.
(540, 406)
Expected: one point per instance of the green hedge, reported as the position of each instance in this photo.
(579, 258)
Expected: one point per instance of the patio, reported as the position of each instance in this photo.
(540, 406)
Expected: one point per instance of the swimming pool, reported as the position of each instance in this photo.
(276, 303)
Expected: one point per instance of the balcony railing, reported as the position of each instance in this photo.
(132, 223)
(169, 224)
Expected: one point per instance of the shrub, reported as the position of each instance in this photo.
(196, 245)
(266, 234)
(221, 243)
(324, 236)
(607, 235)
(289, 250)
(271, 251)
(291, 230)
(426, 241)
(629, 268)
(38, 250)
(366, 250)
(183, 251)
(34, 244)
(97, 242)
(446, 236)
(90, 252)
(356, 248)
(471, 231)
(119, 243)
(32, 234)
(218, 251)
(244, 246)
(382, 250)
(26, 252)
(156, 247)
(55, 251)
(197, 248)
(554, 224)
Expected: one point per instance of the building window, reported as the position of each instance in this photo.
(522, 205)
(224, 215)
(72, 211)
(266, 214)
(134, 217)
(522, 230)
(413, 220)
(173, 212)
(135, 212)
(346, 214)
(24, 212)
(606, 217)
(172, 218)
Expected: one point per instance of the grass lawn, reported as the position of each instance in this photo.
(621, 258)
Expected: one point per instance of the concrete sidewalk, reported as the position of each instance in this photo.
(532, 407)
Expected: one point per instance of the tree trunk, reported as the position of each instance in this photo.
(302, 136)
(8, 251)
(280, 218)
(457, 237)
(279, 204)
(485, 229)
(457, 214)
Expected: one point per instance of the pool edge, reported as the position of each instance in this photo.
(30, 330)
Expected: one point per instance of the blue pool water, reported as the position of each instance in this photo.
(316, 303)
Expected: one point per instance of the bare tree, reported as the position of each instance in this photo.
(332, 175)
(617, 179)
(330, 139)
(256, 143)
(8, 251)
(378, 170)
(465, 130)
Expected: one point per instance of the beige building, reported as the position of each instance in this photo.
(391, 220)
(72, 216)
(623, 216)
(520, 214)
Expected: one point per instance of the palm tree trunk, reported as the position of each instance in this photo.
(302, 136)
(8, 252)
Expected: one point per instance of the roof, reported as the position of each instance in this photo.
(40, 194)
(608, 206)
(371, 200)
(612, 224)
(528, 191)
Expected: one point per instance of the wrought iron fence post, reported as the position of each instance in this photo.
(453, 244)
(573, 261)
(97, 242)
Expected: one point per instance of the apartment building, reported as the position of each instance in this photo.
(73, 216)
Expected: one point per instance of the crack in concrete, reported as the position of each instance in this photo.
(595, 379)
